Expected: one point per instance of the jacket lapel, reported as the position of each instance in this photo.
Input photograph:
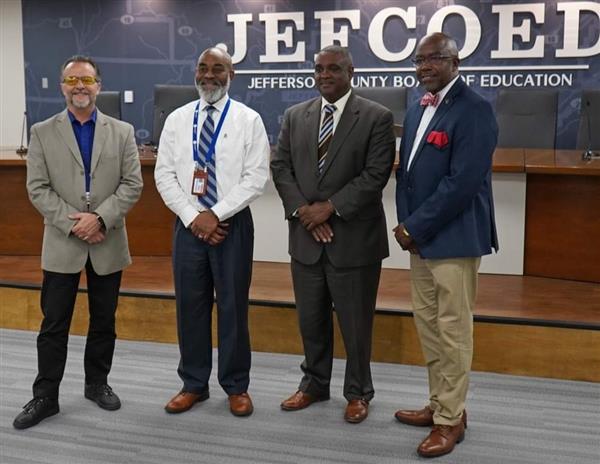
(65, 129)
(346, 123)
(312, 120)
(410, 132)
(100, 133)
(441, 111)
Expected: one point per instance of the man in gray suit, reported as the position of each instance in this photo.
(334, 157)
(83, 176)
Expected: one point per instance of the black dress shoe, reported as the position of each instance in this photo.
(35, 411)
(103, 396)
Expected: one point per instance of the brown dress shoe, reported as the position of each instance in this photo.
(183, 401)
(301, 400)
(441, 440)
(422, 417)
(240, 405)
(356, 411)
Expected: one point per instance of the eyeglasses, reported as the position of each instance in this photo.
(431, 59)
(85, 80)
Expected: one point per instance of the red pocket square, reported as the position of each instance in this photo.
(439, 139)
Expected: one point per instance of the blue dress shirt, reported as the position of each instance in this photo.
(84, 134)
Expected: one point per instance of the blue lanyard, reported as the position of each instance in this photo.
(213, 142)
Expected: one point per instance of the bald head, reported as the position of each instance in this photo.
(443, 42)
(219, 53)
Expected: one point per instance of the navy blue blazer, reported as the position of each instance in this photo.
(445, 199)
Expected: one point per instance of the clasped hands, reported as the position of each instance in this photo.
(314, 218)
(87, 228)
(406, 241)
(206, 226)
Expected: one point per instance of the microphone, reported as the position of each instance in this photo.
(161, 116)
(589, 153)
(22, 151)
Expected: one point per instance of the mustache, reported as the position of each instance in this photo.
(215, 82)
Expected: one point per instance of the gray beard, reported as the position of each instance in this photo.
(80, 104)
(213, 96)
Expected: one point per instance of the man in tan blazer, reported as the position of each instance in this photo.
(83, 176)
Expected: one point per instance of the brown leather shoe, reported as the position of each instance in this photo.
(441, 440)
(422, 417)
(356, 411)
(301, 400)
(240, 405)
(183, 401)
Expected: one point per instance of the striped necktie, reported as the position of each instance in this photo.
(325, 135)
(210, 197)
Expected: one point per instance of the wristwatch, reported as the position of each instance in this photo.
(101, 221)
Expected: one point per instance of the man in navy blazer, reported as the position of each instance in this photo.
(446, 221)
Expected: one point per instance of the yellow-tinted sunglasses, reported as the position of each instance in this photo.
(85, 80)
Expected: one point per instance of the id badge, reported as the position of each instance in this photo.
(199, 182)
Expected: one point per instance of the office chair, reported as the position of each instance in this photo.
(393, 98)
(109, 103)
(166, 99)
(527, 118)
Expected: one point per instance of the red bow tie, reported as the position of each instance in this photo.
(429, 99)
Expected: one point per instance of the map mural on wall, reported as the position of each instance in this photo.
(140, 43)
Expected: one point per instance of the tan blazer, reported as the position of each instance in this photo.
(56, 187)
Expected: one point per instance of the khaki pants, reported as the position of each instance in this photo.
(443, 295)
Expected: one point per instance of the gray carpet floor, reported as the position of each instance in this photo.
(511, 419)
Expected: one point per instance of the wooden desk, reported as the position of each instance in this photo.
(509, 160)
(562, 224)
(564, 162)
(149, 223)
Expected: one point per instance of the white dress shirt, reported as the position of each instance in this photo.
(426, 119)
(241, 157)
(340, 104)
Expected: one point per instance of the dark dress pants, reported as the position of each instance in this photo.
(201, 270)
(353, 292)
(58, 301)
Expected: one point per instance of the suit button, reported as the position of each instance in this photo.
(83, 197)
(81, 172)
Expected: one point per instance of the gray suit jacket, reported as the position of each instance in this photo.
(56, 187)
(357, 168)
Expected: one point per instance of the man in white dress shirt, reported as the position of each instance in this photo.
(213, 161)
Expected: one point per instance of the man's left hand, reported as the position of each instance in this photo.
(405, 240)
(87, 225)
(323, 233)
(317, 213)
(96, 238)
(204, 224)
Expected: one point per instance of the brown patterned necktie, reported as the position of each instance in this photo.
(325, 135)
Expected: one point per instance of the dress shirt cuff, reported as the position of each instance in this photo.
(337, 213)
(188, 214)
(220, 210)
